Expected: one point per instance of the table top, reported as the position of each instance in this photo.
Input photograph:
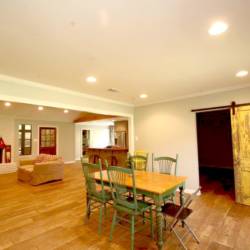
(150, 181)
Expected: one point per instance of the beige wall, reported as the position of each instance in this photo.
(65, 137)
(170, 128)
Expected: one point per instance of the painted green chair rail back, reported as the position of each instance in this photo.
(166, 164)
(139, 162)
(119, 177)
(94, 189)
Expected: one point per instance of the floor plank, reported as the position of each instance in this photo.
(51, 216)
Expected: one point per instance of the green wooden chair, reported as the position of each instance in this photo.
(139, 162)
(119, 178)
(166, 164)
(97, 196)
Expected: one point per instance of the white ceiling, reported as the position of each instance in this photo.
(158, 47)
(31, 112)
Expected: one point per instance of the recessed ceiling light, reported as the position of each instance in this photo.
(217, 28)
(7, 104)
(143, 96)
(66, 111)
(242, 73)
(91, 79)
(40, 108)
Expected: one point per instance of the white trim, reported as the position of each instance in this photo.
(61, 106)
(19, 81)
(59, 89)
(57, 136)
(210, 92)
(190, 191)
(6, 168)
(69, 162)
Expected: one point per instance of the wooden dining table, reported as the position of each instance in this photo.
(156, 186)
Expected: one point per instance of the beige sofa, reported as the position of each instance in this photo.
(41, 169)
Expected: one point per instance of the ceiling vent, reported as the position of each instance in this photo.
(113, 90)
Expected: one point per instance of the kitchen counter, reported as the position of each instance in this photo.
(115, 156)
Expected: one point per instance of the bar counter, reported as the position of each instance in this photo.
(115, 156)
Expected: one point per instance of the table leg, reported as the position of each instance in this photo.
(159, 221)
(181, 195)
(181, 200)
(88, 201)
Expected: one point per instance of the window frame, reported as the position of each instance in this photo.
(22, 140)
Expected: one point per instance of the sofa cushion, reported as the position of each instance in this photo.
(28, 168)
(39, 158)
(46, 158)
(51, 157)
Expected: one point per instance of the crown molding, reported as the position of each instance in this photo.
(62, 90)
(23, 82)
(205, 93)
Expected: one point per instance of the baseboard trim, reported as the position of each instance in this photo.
(7, 168)
(69, 162)
(190, 191)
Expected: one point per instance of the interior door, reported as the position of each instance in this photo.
(241, 150)
(47, 142)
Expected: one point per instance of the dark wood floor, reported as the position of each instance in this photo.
(51, 216)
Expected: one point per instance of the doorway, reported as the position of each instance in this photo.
(47, 140)
(215, 151)
(85, 141)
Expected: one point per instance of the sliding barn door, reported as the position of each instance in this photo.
(241, 151)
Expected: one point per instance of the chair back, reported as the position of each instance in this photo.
(120, 178)
(138, 162)
(166, 164)
(94, 188)
(141, 152)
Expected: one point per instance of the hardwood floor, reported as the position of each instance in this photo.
(51, 216)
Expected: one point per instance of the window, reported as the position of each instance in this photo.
(24, 139)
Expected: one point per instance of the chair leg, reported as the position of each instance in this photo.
(105, 209)
(192, 232)
(151, 223)
(143, 214)
(113, 225)
(88, 208)
(100, 220)
(165, 223)
(179, 238)
(132, 231)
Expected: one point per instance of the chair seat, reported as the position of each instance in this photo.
(170, 209)
(98, 196)
(142, 207)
